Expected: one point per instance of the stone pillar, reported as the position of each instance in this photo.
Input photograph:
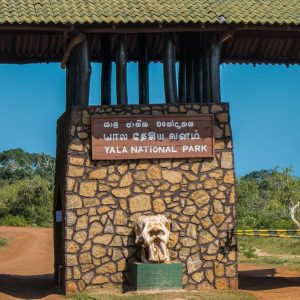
(104, 198)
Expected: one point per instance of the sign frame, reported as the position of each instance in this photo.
(117, 118)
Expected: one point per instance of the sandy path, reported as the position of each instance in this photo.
(26, 265)
(266, 282)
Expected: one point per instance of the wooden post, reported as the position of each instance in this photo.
(83, 74)
(106, 71)
(70, 76)
(198, 67)
(121, 70)
(143, 69)
(190, 95)
(215, 68)
(77, 61)
(169, 69)
(182, 69)
(206, 70)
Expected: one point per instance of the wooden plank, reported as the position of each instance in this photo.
(121, 70)
(156, 136)
(143, 67)
(169, 69)
(106, 71)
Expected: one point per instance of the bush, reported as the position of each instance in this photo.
(247, 250)
(26, 202)
(3, 242)
(13, 221)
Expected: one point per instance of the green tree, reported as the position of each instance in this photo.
(268, 199)
(26, 202)
(17, 164)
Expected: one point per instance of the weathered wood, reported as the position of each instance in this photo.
(198, 67)
(83, 75)
(214, 52)
(169, 69)
(106, 71)
(78, 75)
(70, 80)
(206, 70)
(121, 69)
(182, 70)
(143, 66)
(190, 95)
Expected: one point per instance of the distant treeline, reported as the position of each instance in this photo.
(265, 198)
(26, 188)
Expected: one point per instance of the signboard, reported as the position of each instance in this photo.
(155, 136)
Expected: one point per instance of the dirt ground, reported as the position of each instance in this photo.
(26, 268)
(26, 264)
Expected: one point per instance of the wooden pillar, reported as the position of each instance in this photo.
(121, 69)
(70, 82)
(106, 71)
(169, 69)
(182, 69)
(83, 74)
(206, 69)
(78, 72)
(143, 65)
(214, 51)
(190, 95)
(198, 67)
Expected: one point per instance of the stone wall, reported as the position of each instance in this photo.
(104, 198)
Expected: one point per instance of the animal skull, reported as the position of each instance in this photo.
(153, 233)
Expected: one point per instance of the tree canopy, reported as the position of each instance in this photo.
(16, 164)
(26, 188)
(265, 199)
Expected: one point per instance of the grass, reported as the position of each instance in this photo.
(214, 295)
(3, 242)
(279, 252)
(281, 246)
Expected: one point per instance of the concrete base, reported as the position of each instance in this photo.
(156, 276)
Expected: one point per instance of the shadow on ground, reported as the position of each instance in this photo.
(27, 287)
(265, 279)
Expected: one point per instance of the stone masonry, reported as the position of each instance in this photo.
(102, 200)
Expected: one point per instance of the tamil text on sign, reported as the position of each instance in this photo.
(139, 137)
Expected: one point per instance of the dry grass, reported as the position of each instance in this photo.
(278, 252)
(184, 295)
(3, 242)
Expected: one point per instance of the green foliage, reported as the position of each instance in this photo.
(264, 198)
(26, 188)
(272, 251)
(26, 202)
(280, 246)
(246, 250)
(3, 242)
(16, 164)
(10, 220)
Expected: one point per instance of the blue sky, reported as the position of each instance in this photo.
(264, 104)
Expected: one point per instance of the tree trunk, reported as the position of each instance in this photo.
(293, 210)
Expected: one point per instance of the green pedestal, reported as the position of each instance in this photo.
(156, 276)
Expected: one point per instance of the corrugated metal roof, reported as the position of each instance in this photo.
(243, 47)
(271, 12)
